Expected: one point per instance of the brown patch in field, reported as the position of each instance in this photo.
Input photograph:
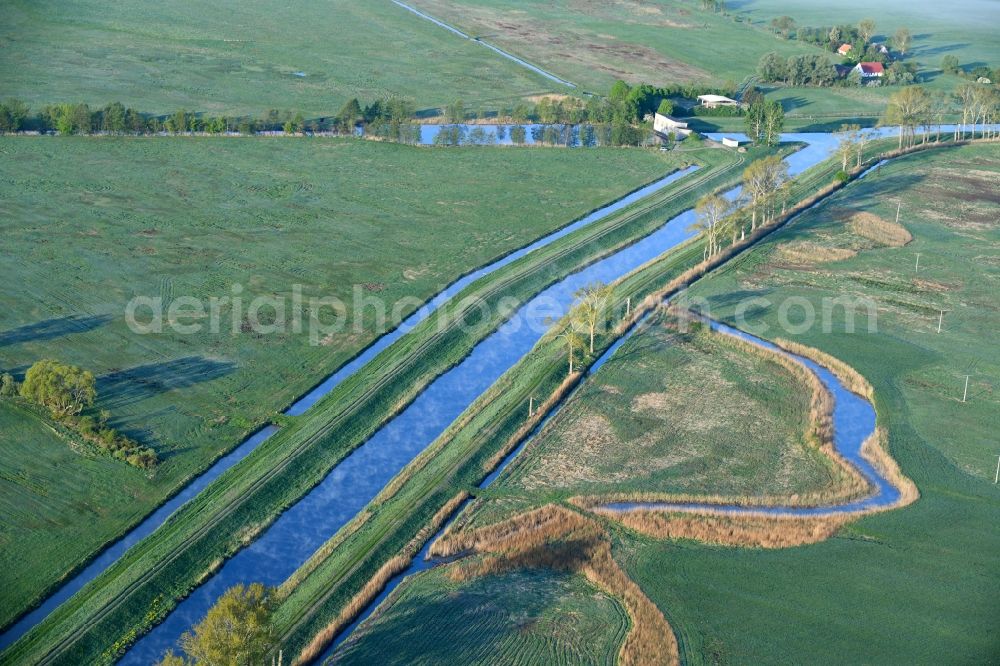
(557, 538)
(808, 253)
(754, 531)
(881, 231)
(149, 232)
(933, 285)
(550, 42)
(414, 273)
(555, 97)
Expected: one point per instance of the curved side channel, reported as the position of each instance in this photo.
(155, 519)
(350, 486)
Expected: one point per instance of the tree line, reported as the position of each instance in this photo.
(913, 108)
(831, 38)
(717, 220)
(66, 391)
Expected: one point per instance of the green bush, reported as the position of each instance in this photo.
(8, 385)
(65, 389)
(718, 112)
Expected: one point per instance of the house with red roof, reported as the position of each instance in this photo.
(869, 70)
(844, 49)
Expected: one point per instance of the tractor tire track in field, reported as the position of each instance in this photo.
(510, 56)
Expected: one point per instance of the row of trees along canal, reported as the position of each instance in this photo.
(619, 118)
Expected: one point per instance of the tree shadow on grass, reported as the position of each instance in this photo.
(52, 328)
(721, 303)
(125, 387)
(796, 102)
(886, 186)
(928, 51)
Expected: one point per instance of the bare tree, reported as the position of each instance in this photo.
(902, 40)
(573, 341)
(711, 212)
(866, 28)
(591, 309)
(761, 180)
(848, 144)
(966, 94)
(908, 109)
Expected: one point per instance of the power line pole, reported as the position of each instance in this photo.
(996, 477)
(531, 405)
(940, 320)
(899, 204)
(916, 269)
(966, 393)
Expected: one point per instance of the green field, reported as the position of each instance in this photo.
(89, 223)
(532, 616)
(242, 57)
(677, 413)
(595, 43)
(916, 585)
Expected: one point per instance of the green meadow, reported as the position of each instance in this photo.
(245, 57)
(90, 223)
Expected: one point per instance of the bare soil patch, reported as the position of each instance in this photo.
(874, 228)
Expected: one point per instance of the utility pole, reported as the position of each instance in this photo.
(898, 205)
(966, 393)
(628, 306)
(996, 477)
(531, 405)
(940, 320)
(916, 269)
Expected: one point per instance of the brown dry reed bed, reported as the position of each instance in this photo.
(753, 531)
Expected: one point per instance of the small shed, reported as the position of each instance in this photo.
(731, 142)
